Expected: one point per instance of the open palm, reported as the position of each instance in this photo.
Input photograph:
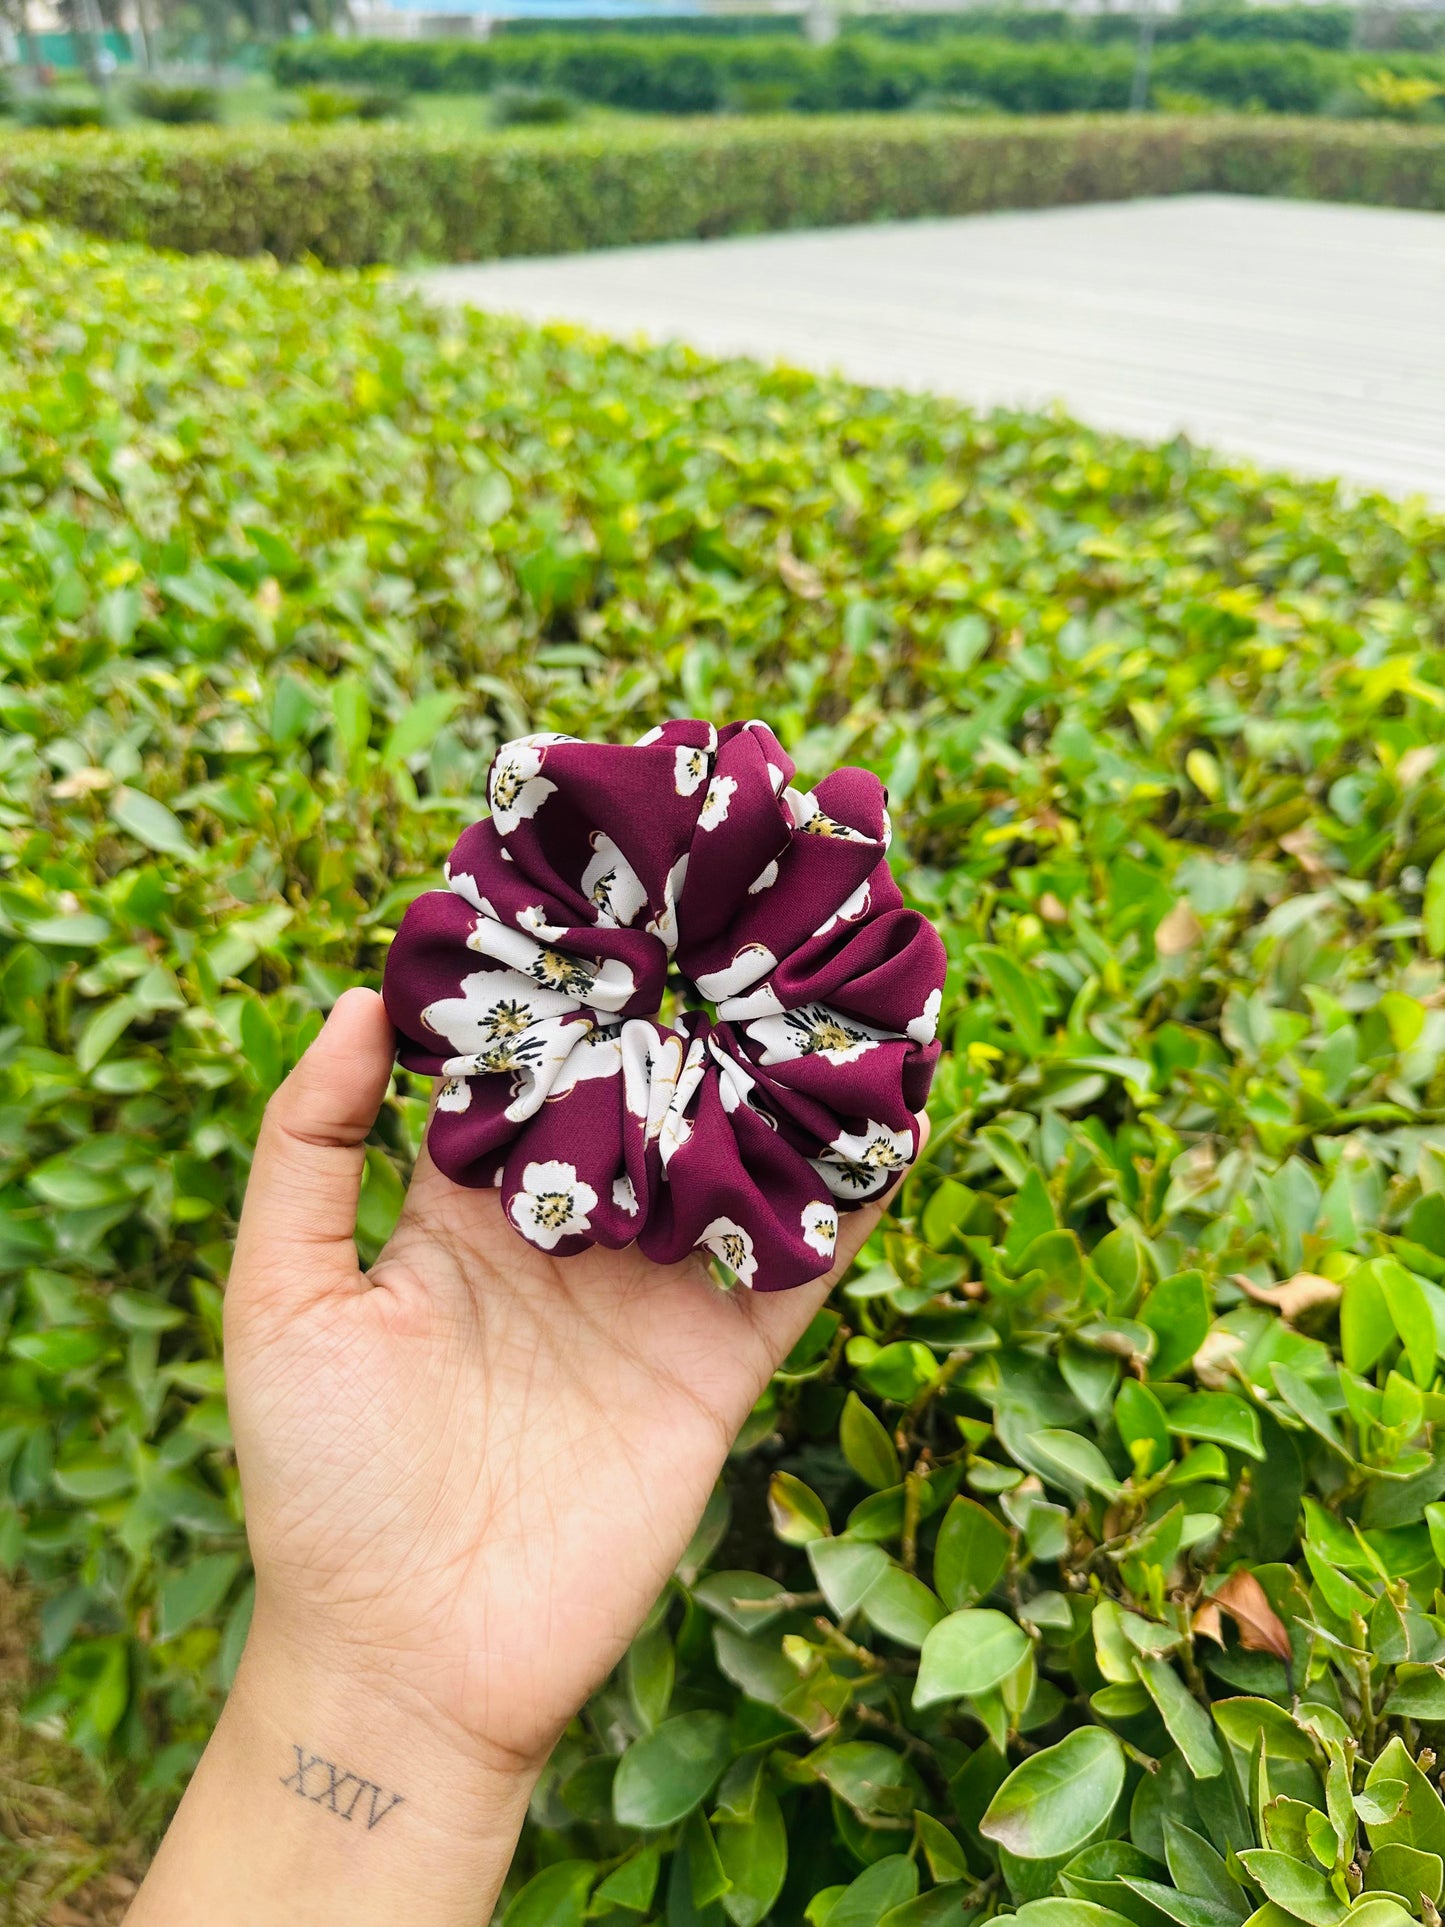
(469, 1471)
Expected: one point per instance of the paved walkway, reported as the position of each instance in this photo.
(1304, 336)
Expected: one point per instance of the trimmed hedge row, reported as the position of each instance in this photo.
(349, 196)
(1319, 26)
(681, 74)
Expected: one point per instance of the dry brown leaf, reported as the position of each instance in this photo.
(802, 579)
(1415, 763)
(1295, 1296)
(1208, 1623)
(1261, 1630)
(81, 782)
(1215, 1357)
(1303, 845)
(1178, 932)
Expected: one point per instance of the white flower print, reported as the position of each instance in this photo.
(596, 1053)
(611, 884)
(778, 778)
(584, 980)
(624, 1197)
(762, 1002)
(735, 1086)
(465, 887)
(716, 803)
(690, 771)
(765, 880)
(455, 1095)
(504, 1024)
(552, 1204)
(650, 1070)
(814, 1030)
(664, 925)
(533, 919)
(809, 815)
(754, 960)
(653, 735)
(728, 1241)
(850, 911)
(820, 1227)
(675, 1126)
(517, 789)
(499, 1012)
(924, 1027)
(856, 1164)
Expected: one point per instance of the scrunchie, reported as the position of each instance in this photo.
(532, 987)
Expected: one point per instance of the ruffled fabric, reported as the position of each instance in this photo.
(607, 875)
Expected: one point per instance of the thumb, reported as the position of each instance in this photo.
(299, 1218)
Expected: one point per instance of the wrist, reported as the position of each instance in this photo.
(335, 1794)
(360, 1696)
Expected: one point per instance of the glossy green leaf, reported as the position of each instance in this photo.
(664, 1775)
(1057, 1798)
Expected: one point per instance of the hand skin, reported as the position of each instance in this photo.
(468, 1475)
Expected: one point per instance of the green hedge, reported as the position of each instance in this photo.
(682, 74)
(350, 196)
(1143, 1377)
(1318, 26)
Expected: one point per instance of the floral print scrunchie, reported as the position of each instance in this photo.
(532, 984)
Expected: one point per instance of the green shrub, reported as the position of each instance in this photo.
(168, 101)
(350, 195)
(530, 107)
(64, 110)
(860, 72)
(1142, 1377)
(325, 106)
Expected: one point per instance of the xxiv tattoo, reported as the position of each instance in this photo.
(344, 1794)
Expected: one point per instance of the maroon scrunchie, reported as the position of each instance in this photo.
(532, 986)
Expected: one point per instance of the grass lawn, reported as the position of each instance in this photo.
(68, 1854)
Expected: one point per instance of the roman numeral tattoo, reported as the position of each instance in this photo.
(324, 1784)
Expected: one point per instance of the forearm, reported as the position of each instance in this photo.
(321, 1799)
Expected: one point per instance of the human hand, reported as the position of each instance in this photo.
(468, 1473)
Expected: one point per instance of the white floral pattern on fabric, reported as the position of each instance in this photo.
(727, 1240)
(814, 1030)
(858, 1163)
(455, 1094)
(517, 788)
(664, 925)
(689, 770)
(850, 911)
(675, 1127)
(754, 960)
(601, 985)
(624, 1197)
(809, 816)
(611, 885)
(651, 1067)
(465, 887)
(552, 1204)
(735, 1086)
(499, 1013)
(596, 1053)
(533, 919)
(764, 880)
(762, 1002)
(924, 1027)
(716, 803)
(820, 1227)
